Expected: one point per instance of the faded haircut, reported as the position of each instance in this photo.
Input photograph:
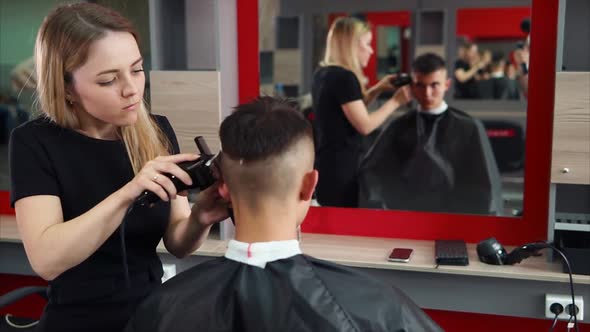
(266, 143)
(262, 128)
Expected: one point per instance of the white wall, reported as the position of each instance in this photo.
(202, 34)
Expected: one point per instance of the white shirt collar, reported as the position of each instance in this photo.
(260, 253)
(437, 110)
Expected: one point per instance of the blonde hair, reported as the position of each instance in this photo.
(62, 45)
(342, 44)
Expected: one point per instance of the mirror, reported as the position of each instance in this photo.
(487, 180)
(19, 22)
(492, 63)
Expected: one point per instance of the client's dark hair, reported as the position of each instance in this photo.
(428, 63)
(263, 128)
(497, 57)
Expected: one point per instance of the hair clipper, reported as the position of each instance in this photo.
(400, 80)
(199, 170)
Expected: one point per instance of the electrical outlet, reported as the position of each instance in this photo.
(170, 271)
(564, 300)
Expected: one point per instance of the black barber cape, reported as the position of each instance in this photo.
(271, 286)
(431, 162)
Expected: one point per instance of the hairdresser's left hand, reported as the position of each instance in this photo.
(210, 208)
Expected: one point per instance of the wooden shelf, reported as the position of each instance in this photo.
(366, 252)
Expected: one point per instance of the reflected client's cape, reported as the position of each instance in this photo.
(450, 169)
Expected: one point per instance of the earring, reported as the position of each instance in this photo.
(70, 102)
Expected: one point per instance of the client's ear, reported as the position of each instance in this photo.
(224, 191)
(309, 182)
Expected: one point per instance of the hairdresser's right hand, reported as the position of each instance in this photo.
(151, 177)
(521, 56)
(385, 83)
(402, 96)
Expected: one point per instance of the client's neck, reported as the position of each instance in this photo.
(438, 109)
(270, 222)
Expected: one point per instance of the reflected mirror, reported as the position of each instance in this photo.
(472, 162)
(492, 63)
(19, 22)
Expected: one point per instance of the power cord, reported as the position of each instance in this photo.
(568, 309)
(557, 309)
(569, 322)
(124, 247)
(19, 326)
(569, 270)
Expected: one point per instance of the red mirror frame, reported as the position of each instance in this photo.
(429, 226)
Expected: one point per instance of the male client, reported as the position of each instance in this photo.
(433, 158)
(264, 282)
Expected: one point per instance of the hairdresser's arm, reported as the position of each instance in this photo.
(189, 228)
(54, 246)
(365, 122)
(522, 59)
(463, 75)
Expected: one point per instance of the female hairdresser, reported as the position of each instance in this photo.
(76, 169)
(340, 107)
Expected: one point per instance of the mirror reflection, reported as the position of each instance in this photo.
(492, 63)
(19, 22)
(393, 126)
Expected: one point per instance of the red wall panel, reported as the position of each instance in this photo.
(452, 321)
(491, 23)
(30, 306)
